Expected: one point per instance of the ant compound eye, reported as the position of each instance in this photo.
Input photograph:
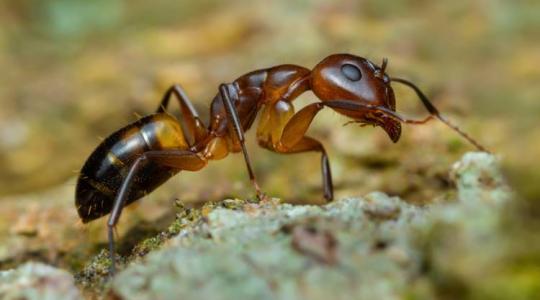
(351, 72)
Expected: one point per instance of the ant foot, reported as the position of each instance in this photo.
(260, 195)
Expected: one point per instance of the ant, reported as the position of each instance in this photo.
(138, 158)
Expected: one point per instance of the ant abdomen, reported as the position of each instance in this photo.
(107, 167)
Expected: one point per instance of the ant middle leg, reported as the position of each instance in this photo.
(232, 116)
(176, 159)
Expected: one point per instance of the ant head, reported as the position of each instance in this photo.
(353, 78)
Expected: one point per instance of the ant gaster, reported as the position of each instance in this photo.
(138, 158)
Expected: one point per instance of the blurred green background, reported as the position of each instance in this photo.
(74, 71)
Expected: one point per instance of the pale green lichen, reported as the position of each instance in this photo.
(374, 247)
(248, 254)
(95, 274)
(384, 248)
(37, 281)
(94, 277)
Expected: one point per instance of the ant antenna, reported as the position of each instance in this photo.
(380, 73)
(384, 64)
(434, 112)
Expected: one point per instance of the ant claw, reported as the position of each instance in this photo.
(262, 197)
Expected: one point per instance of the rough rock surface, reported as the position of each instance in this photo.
(376, 247)
(37, 281)
(372, 247)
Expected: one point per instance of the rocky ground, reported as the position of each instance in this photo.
(371, 247)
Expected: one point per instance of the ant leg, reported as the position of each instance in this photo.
(298, 125)
(191, 117)
(234, 120)
(293, 140)
(306, 144)
(177, 159)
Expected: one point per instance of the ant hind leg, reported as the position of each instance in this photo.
(177, 159)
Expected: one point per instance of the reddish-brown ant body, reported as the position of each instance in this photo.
(138, 158)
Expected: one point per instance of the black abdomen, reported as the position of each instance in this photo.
(104, 171)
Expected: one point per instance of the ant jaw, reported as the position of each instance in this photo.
(392, 128)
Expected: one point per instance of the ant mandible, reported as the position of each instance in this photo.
(138, 158)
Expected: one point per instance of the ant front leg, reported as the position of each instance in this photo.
(176, 159)
(232, 116)
(293, 140)
(191, 118)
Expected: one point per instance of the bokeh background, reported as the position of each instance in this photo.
(74, 71)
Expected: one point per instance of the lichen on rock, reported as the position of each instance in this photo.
(375, 247)
(37, 281)
(371, 247)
